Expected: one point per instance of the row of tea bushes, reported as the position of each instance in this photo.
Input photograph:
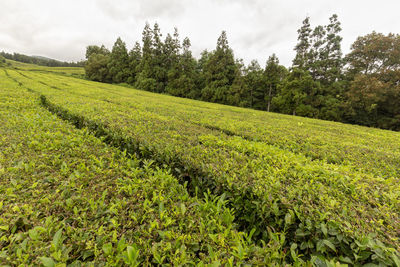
(66, 198)
(329, 210)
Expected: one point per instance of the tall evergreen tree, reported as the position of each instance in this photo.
(158, 61)
(330, 72)
(331, 55)
(201, 67)
(145, 78)
(188, 63)
(315, 66)
(220, 72)
(183, 82)
(319, 53)
(274, 74)
(171, 60)
(303, 46)
(238, 94)
(94, 49)
(256, 85)
(119, 62)
(135, 57)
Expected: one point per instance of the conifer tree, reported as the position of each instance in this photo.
(200, 77)
(171, 60)
(274, 74)
(135, 57)
(145, 78)
(332, 52)
(181, 78)
(238, 94)
(303, 46)
(158, 63)
(315, 66)
(119, 62)
(256, 85)
(220, 72)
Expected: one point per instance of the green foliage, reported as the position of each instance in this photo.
(365, 91)
(310, 190)
(298, 94)
(96, 68)
(94, 49)
(77, 72)
(374, 75)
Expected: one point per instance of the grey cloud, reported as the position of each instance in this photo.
(256, 28)
(121, 10)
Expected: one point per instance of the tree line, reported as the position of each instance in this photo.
(42, 61)
(362, 87)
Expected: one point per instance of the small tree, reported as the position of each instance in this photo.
(96, 68)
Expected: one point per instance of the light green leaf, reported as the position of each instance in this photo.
(47, 262)
(107, 248)
(57, 239)
(324, 229)
(329, 244)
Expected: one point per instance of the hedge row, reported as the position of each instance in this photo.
(331, 211)
(67, 198)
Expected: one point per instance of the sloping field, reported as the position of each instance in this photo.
(300, 189)
(67, 198)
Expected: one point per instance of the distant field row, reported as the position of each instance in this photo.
(67, 71)
(330, 189)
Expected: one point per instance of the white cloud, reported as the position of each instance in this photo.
(256, 28)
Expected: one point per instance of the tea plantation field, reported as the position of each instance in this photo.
(98, 174)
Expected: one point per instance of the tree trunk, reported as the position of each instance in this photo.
(269, 97)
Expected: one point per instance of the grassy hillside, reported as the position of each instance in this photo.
(287, 190)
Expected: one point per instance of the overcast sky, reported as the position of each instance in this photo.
(255, 28)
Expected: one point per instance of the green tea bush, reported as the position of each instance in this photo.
(280, 189)
(66, 198)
